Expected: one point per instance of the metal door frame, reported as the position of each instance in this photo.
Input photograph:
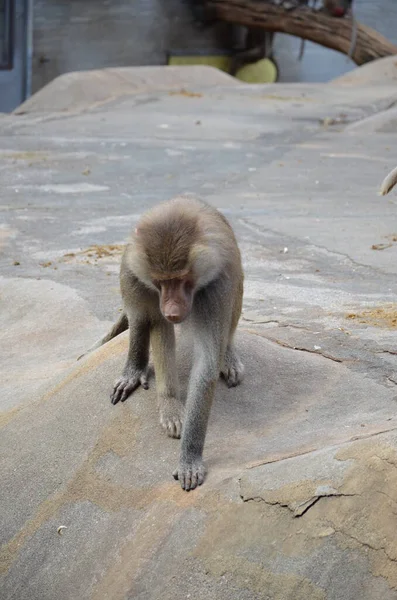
(16, 53)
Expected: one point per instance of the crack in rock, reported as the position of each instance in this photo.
(379, 548)
(303, 349)
(298, 509)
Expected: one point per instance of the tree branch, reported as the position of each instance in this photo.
(306, 23)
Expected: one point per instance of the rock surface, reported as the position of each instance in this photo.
(301, 495)
(382, 71)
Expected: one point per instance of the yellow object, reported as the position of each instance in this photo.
(263, 71)
(217, 61)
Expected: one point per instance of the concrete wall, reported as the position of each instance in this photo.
(72, 35)
(75, 35)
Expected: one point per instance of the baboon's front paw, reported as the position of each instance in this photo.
(171, 417)
(190, 474)
(126, 385)
(233, 372)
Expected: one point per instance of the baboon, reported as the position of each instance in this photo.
(181, 266)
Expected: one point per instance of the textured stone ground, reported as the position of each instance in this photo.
(301, 496)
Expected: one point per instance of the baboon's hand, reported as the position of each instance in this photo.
(233, 369)
(190, 474)
(233, 374)
(127, 384)
(171, 416)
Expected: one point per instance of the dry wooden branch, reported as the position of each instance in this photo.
(305, 23)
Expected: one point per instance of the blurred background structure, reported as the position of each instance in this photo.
(41, 39)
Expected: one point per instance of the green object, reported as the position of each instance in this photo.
(262, 71)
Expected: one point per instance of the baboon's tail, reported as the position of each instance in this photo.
(120, 326)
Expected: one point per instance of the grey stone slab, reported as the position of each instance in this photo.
(76, 91)
(300, 497)
(79, 459)
(376, 72)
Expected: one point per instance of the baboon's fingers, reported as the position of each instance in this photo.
(171, 415)
(178, 429)
(128, 390)
(123, 388)
(174, 428)
(144, 381)
(234, 373)
(194, 482)
(232, 379)
(116, 393)
(191, 476)
(181, 478)
(189, 481)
